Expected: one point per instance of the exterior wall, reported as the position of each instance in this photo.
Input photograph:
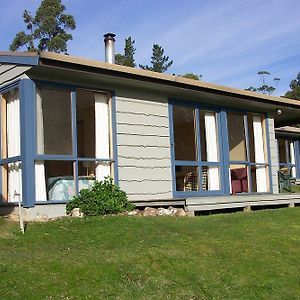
(9, 72)
(273, 156)
(143, 145)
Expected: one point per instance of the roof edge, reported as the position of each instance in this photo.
(21, 58)
(165, 77)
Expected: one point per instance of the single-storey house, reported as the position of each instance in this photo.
(164, 139)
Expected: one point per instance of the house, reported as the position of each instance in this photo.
(166, 140)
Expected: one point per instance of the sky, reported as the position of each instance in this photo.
(226, 41)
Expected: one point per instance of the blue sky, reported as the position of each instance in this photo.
(227, 42)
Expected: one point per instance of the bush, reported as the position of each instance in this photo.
(104, 198)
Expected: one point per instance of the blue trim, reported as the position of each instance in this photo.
(20, 60)
(224, 142)
(172, 150)
(269, 152)
(27, 100)
(8, 87)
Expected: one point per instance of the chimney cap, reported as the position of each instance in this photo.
(109, 36)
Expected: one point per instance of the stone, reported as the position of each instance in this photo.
(180, 212)
(76, 213)
(163, 212)
(149, 211)
(134, 212)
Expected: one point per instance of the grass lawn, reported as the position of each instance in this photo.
(228, 256)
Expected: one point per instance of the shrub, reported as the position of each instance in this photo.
(104, 198)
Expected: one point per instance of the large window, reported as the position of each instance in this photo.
(210, 160)
(248, 171)
(196, 150)
(73, 141)
(11, 167)
(287, 156)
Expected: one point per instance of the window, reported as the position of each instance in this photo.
(73, 141)
(287, 156)
(248, 171)
(10, 146)
(196, 150)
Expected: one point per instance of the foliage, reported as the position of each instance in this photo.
(127, 59)
(160, 62)
(294, 93)
(225, 256)
(264, 88)
(47, 30)
(192, 76)
(104, 198)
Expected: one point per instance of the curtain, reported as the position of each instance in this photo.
(102, 135)
(40, 178)
(259, 151)
(14, 172)
(293, 160)
(212, 150)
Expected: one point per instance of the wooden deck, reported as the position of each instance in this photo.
(241, 201)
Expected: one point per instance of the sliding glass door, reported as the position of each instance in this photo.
(196, 150)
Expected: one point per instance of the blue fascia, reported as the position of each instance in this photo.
(20, 60)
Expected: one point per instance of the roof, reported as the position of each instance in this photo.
(33, 58)
(288, 131)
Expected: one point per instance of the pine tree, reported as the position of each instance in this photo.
(160, 62)
(294, 93)
(127, 59)
(47, 30)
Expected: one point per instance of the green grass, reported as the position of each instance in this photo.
(231, 256)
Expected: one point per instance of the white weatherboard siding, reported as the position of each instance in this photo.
(144, 149)
(273, 156)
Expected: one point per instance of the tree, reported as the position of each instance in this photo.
(127, 59)
(47, 30)
(264, 88)
(160, 62)
(192, 76)
(294, 93)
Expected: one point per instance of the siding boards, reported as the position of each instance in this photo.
(143, 149)
(9, 72)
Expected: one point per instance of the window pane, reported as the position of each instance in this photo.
(236, 137)
(238, 175)
(184, 133)
(209, 137)
(257, 139)
(260, 179)
(10, 124)
(89, 171)
(93, 128)
(54, 126)
(54, 180)
(12, 182)
(283, 157)
(187, 178)
(210, 178)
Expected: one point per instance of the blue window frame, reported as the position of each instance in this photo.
(78, 170)
(10, 135)
(197, 166)
(288, 153)
(255, 164)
